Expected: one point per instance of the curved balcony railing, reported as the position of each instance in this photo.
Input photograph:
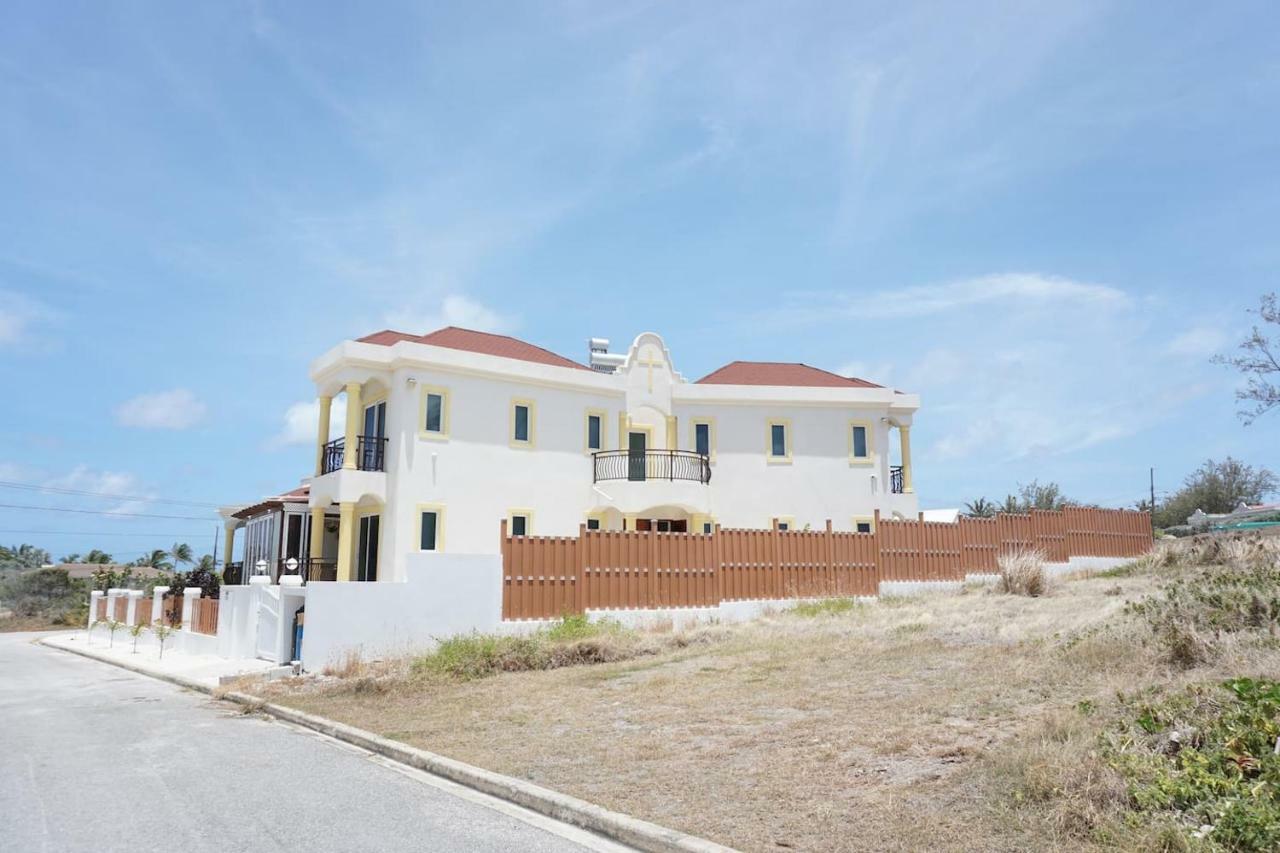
(640, 465)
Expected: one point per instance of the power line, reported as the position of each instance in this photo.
(96, 533)
(59, 490)
(106, 512)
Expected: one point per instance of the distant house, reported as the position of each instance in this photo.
(83, 571)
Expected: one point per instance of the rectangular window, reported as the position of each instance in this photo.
(783, 525)
(522, 423)
(519, 525)
(863, 527)
(435, 413)
(430, 523)
(859, 441)
(594, 424)
(593, 524)
(706, 527)
(702, 438)
(778, 440)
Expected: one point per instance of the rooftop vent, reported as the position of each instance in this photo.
(602, 360)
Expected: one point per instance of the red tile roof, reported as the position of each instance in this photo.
(781, 373)
(452, 337)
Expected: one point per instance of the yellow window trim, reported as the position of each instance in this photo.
(711, 436)
(864, 519)
(870, 458)
(438, 509)
(528, 520)
(533, 424)
(701, 519)
(586, 430)
(785, 423)
(423, 432)
(600, 516)
(788, 520)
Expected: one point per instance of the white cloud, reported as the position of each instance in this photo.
(880, 373)
(19, 316)
(454, 310)
(1003, 288)
(175, 409)
(117, 483)
(302, 419)
(1198, 342)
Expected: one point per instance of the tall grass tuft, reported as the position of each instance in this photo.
(1022, 573)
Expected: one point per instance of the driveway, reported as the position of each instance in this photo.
(95, 758)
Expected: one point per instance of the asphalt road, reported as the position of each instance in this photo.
(95, 758)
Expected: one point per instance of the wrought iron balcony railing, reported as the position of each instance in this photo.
(371, 454)
(639, 465)
(895, 479)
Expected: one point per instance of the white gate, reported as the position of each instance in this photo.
(268, 623)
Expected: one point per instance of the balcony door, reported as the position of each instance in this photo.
(367, 549)
(375, 429)
(636, 445)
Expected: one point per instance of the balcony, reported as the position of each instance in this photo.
(895, 479)
(643, 465)
(371, 454)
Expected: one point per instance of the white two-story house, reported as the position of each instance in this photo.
(449, 433)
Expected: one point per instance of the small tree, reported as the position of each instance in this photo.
(1217, 487)
(137, 631)
(163, 631)
(1259, 361)
(112, 627)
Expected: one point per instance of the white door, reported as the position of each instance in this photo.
(268, 623)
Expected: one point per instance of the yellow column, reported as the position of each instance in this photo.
(346, 539)
(322, 438)
(354, 414)
(672, 433)
(622, 430)
(315, 550)
(904, 436)
(229, 541)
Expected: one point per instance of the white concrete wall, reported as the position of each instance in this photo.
(442, 595)
(478, 477)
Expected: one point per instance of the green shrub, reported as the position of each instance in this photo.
(571, 641)
(1206, 758)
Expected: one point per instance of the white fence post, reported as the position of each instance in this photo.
(189, 595)
(112, 595)
(94, 598)
(157, 604)
(131, 613)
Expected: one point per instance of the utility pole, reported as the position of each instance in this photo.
(1153, 498)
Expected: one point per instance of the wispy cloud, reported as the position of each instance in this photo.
(1198, 342)
(454, 310)
(301, 420)
(108, 483)
(176, 409)
(20, 318)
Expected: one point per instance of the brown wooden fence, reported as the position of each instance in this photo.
(171, 610)
(548, 576)
(142, 612)
(204, 615)
(101, 614)
(120, 611)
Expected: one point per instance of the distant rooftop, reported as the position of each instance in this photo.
(781, 373)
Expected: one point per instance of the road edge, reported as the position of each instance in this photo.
(641, 834)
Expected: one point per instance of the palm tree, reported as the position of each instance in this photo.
(157, 559)
(96, 556)
(181, 553)
(205, 564)
(980, 508)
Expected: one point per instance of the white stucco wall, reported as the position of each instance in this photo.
(443, 595)
(478, 477)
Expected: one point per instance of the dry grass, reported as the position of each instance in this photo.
(896, 725)
(1022, 573)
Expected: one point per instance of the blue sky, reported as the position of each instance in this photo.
(1044, 218)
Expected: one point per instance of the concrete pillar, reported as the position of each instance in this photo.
(94, 598)
(112, 595)
(315, 550)
(229, 544)
(354, 413)
(622, 430)
(132, 613)
(673, 433)
(189, 595)
(322, 435)
(904, 436)
(346, 539)
(157, 604)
